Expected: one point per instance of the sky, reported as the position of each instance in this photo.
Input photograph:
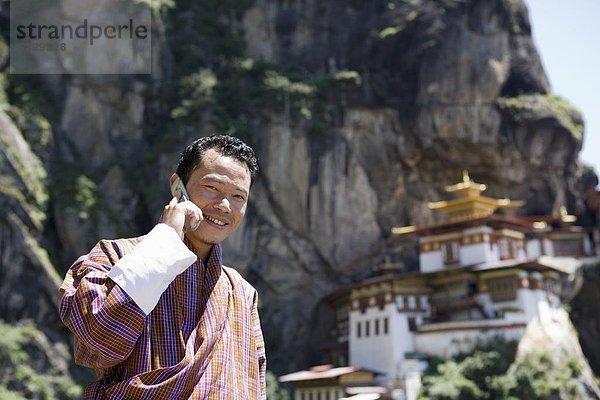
(567, 35)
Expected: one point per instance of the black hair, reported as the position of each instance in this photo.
(226, 145)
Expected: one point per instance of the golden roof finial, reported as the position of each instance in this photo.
(467, 187)
(470, 203)
(466, 177)
(564, 215)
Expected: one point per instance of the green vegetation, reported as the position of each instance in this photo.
(246, 90)
(492, 373)
(3, 80)
(77, 190)
(585, 308)
(389, 31)
(198, 92)
(278, 82)
(30, 189)
(3, 99)
(513, 7)
(296, 96)
(16, 344)
(30, 106)
(401, 24)
(274, 391)
(528, 106)
(6, 394)
(9, 188)
(85, 196)
(537, 377)
(30, 170)
(349, 76)
(157, 6)
(216, 82)
(243, 90)
(77, 194)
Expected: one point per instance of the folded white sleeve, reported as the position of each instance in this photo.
(146, 272)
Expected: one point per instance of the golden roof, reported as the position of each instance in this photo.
(467, 204)
(467, 187)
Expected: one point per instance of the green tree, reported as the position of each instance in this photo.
(536, 377)
(492, 373)
(450, 383)
(274, 391)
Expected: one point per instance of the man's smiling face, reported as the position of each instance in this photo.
(219, 186)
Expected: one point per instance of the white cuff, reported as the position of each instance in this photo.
(146, 272)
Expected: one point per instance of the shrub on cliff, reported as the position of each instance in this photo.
(492, 373)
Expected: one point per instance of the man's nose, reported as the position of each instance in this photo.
(223, 204)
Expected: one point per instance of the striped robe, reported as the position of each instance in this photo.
(203, 339)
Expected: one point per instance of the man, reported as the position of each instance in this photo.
(160, 317)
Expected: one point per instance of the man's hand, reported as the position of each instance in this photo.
(184, 216)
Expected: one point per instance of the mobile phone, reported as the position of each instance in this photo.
(178, 190)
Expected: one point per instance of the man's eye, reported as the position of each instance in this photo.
(212, 188)
(239, 197)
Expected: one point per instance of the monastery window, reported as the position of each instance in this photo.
(450, 251)
(503, 289)
(377, 327)
(358, 329)
(567, 247)
(319, 395)
(367, 328)
(515, 248)
(385, 326)
(310, 395)
(505, 248)
(424, 303)
(327, 395)
(400, 302)
(412, 302)
(302, 395)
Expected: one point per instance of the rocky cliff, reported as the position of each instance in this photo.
(585, 308)
(360, 113)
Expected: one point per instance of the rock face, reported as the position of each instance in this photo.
(33, 365)
(585, 308)
(35, 360)
(23, 197)
(559, 339)
(360, 113)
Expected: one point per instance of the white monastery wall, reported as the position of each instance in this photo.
(476, 253)
(431, 261)
(378, 351)
(455, 337)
